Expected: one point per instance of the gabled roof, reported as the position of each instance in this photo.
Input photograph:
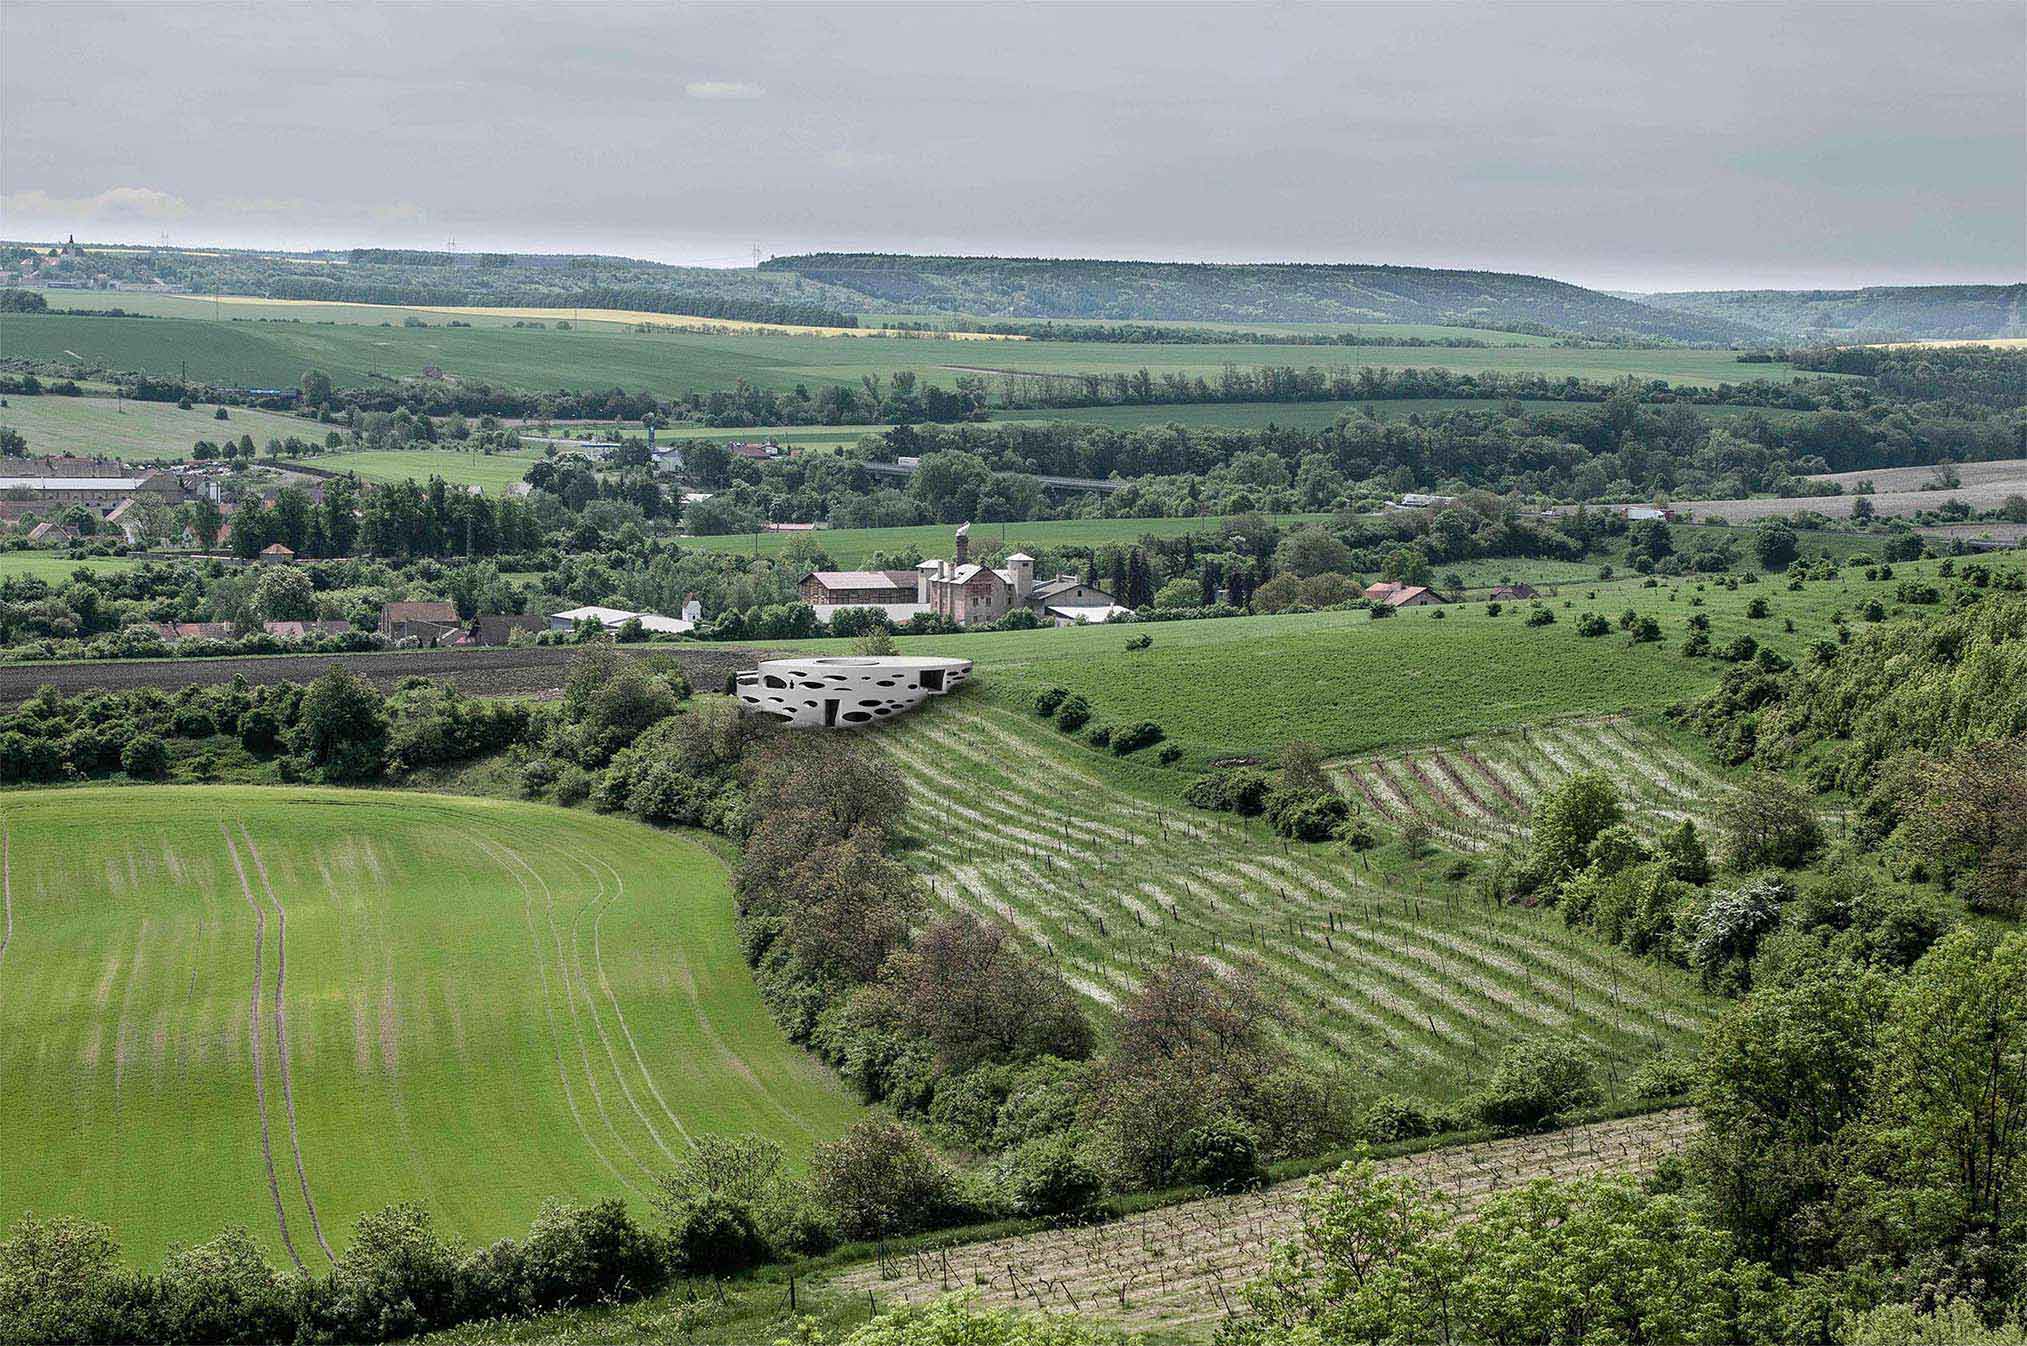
(864, 579)
(497, 628)
(411, 610)
(1061, 584)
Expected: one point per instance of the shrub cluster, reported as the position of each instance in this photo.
(62, 1280)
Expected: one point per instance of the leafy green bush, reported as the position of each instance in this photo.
(1072, 714)
(1134, 737)
(1391, 1118)
(1240, 790)
(1303, 815)
(1046, 702)
(1223, 1154)
(145, 757)
(1048, 1175)
(1664, 1076)
(1591, 624)
(1537, 1079)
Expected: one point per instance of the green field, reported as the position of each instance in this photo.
(1383, 968)
(116, 428)
(280, 1008)
(272, 354)
(493, 472)
(54, 567)
(1243, 686)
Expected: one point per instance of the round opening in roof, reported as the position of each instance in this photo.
(848, 663)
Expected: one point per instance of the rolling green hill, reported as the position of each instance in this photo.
(270, 354)
(280, 1008)
(1040, 287)
(1878, 313)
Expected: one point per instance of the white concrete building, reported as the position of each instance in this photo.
(842, 691)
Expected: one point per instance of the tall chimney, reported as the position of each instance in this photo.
(963, 543)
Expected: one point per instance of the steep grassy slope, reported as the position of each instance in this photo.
(281, 1008)
(1380, 965)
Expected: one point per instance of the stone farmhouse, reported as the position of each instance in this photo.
(1393, 594)
(958, 591)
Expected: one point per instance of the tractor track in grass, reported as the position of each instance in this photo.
(500, 853)
(7, 888)
(594, 906)
(281, 1038)
(619, 1015)
(274, 1186)
(564, 973)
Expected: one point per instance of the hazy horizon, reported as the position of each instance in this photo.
(1642, 148)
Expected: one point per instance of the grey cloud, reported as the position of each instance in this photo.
(1634, 145)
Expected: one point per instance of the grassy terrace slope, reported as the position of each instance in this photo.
(280, 1008)
(1243, 686)
(1409, 982)
(268, 354)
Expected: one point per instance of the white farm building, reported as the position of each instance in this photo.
(839, 691)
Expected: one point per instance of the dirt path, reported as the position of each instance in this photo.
(1183, 1266)
(281, 1040)
(274, 1187)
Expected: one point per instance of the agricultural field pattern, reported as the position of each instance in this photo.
(1412, 985)
(1474, 794)
(289, 1007)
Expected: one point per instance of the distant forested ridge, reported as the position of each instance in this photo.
(1029, 287)
(1878, 313)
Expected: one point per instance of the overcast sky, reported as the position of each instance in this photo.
(1622, 145)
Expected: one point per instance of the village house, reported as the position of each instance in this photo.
(1507, 592)
(499, 628)
(173, 632)
(425, 623)
(1393, 594)
(307, 630)
(276, 553)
